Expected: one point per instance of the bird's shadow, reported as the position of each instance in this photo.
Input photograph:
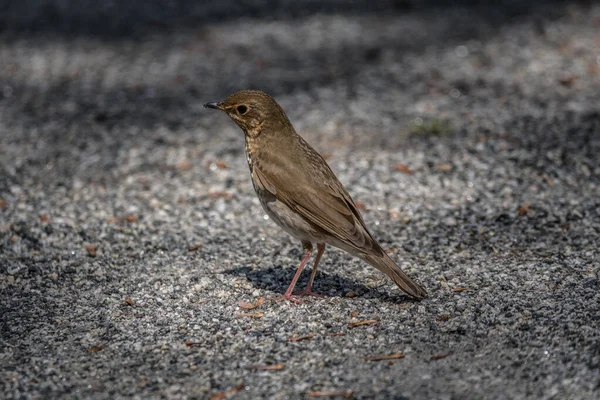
(277, 279)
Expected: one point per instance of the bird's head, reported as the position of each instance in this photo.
(254, 112)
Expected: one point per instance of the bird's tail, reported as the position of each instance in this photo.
(385, 264)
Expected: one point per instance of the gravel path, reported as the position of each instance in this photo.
(129, 230)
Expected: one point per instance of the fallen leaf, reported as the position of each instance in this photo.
(523, 209)
(443, 317)
(440, 356)
(354, 314)
(303, 337)
(219, 195)
(189, 343)
(44, 218)
(250, 306)
(3, 205)
(567, 79)
(131, 218)
(445, 167)
(347, 394)
(252, 315)
(382, 358)
(217, 164)
(364, 322)
(184, 165)
(194, 247)
(403, 168)
(246, 305)
(360, 205)
(91, 250)
(129, 301)
(222, 395)
(460, 289)
(350, 294)
(275, 367)
(95, 349)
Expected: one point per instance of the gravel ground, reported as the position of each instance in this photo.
(129, 230)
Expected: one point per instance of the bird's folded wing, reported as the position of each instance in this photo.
(328, 208)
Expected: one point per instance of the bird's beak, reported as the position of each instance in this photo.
(216, 106)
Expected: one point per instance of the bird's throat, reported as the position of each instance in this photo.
(253, 131)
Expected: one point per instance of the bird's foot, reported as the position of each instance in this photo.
(309, 292)
(285, 297)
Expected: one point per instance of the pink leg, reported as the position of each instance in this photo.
(308, 291)
(288, 293)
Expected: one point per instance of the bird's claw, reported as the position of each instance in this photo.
(308, 292)
(285, 297)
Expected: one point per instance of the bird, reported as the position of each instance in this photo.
(299, 191)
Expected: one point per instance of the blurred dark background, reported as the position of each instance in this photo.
(359, 74)
(112, 19)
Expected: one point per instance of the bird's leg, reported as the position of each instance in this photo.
(307, 246)
(308, 291)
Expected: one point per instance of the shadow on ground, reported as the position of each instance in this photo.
(278, 279)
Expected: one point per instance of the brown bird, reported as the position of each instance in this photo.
(300, 192)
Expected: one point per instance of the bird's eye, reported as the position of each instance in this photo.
(242, 109)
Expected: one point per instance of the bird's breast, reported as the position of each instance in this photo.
(249, 154)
